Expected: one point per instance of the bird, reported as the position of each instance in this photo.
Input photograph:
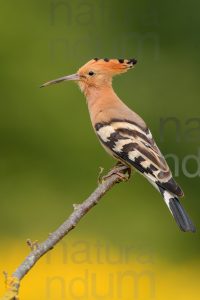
(123, 133)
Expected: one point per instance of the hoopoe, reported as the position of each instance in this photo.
(123, 133)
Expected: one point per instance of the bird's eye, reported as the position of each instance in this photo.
(91, 73)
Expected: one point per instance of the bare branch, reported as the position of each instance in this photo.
(117, 174)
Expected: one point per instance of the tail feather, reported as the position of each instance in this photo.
(181, 217)
(178, 212)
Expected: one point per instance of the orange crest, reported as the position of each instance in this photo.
(111, 66)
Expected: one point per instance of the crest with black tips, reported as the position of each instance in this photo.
(132, 61)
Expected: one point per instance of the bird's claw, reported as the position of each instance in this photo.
(115, 171)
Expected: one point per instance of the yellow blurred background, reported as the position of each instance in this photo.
(128, 247)
(97, 269)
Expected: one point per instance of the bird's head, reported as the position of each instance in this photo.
(97, 72)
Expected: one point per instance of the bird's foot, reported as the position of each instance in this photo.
(121, 170)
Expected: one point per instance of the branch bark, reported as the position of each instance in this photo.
(116, 175)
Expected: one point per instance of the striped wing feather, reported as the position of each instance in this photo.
(136, 147)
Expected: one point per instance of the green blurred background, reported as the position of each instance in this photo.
(49, 155)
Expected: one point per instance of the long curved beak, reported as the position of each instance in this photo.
(58, 80)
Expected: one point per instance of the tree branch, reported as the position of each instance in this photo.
(117, 174)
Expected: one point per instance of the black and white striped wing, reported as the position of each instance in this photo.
(135, 146)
